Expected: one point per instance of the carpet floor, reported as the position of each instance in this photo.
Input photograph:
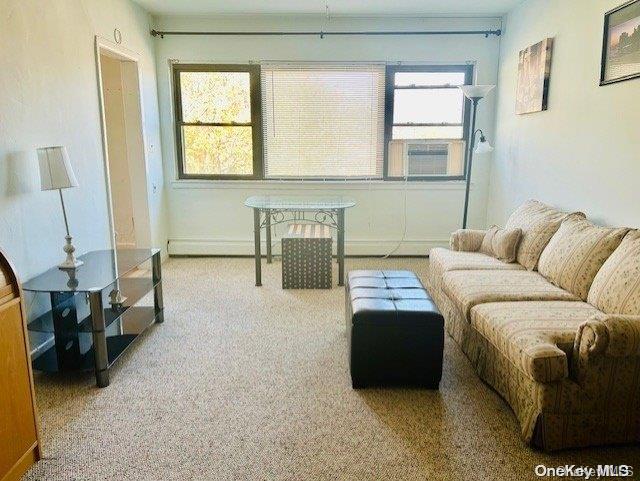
(244, 383)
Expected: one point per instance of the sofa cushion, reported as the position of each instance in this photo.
(538, 222)
(576, 253)
(444, 260)
(536, 337)
(616, 287)
(467, 289)
(501, 243)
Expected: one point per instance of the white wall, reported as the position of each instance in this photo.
(49, 96)
(208, 217)
(582, 153)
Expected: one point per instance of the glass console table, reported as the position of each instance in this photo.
(93, 314)
(272, 210)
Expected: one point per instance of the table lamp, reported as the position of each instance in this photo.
(56, 173)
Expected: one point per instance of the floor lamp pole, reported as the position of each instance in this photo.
(472, 142)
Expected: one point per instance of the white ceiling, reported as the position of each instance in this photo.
(336, 7)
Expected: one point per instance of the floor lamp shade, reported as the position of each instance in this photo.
(55, 169)
(476, 91)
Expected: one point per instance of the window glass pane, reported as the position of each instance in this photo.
(215, 97)
(427, 133)
(428, 106)
(407, 79)
(217, 150)
(323, 120)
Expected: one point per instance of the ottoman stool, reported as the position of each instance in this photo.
(395, 331)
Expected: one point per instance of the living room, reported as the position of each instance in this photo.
(193, 191)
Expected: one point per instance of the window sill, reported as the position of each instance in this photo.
(320, 185)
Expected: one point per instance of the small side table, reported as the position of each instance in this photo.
(94, 313)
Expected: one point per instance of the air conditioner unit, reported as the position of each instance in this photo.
(420, 158)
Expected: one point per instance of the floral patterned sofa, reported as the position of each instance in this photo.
(556, 333)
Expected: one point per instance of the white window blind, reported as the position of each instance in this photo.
(323, 120)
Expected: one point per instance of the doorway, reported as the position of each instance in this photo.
(123, 146)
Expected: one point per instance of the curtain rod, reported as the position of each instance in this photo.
(321, 34)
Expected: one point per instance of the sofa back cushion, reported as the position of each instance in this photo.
(616, 287)
(576, 253)
(538, 222)
(501, 243)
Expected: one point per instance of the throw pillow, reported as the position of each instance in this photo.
(538, 222)
(501, 243)
(616, 287)
(576, 253)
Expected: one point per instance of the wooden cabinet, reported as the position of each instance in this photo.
(19, 440)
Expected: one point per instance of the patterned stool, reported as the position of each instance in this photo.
(306, 257)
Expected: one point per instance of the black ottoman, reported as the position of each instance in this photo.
(396, 333)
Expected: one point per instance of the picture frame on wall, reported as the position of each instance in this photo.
(534, 73)
(621, 44)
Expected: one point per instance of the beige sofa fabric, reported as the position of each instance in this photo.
(613, 335)
(501, 243)
(535, 336)
(538, 222)
(517, 330)
(467, 289)
(445, 260)
(466, 240)
(576, 253)
(616, 287)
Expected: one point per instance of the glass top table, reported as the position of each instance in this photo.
(299, 203)
(97, 310)
(99, 270)
(269, 210)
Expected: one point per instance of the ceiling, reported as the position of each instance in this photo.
(336, 7)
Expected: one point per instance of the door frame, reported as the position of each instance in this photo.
(104, 45)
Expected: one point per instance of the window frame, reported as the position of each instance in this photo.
(389, 108)
(255, 124)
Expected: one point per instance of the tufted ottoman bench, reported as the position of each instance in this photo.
(395, 331)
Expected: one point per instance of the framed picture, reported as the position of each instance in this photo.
(534, 70)
(621, 44)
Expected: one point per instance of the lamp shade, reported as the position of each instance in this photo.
(483, 147)
(476, 91)
(55, 168)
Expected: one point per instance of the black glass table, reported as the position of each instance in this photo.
(270, 210)
(95, 312)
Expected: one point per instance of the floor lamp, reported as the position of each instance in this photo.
(475, 93)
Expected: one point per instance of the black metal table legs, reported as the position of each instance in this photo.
(256, 242)
(267, 223)
(340, 247)
(99, 339)
(338, 224)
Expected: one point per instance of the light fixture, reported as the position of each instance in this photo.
(56, 173)
(483, 146)
(475, 93)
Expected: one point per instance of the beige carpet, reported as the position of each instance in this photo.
(251, 383)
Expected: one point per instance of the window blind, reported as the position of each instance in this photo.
(323, 120)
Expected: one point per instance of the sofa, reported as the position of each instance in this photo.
(556, 332)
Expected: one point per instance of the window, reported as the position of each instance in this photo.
(426, 121)
(218, 128)
(323, 120)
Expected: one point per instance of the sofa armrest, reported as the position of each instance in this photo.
(612, 335)
(467, 240)
(604, 339)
